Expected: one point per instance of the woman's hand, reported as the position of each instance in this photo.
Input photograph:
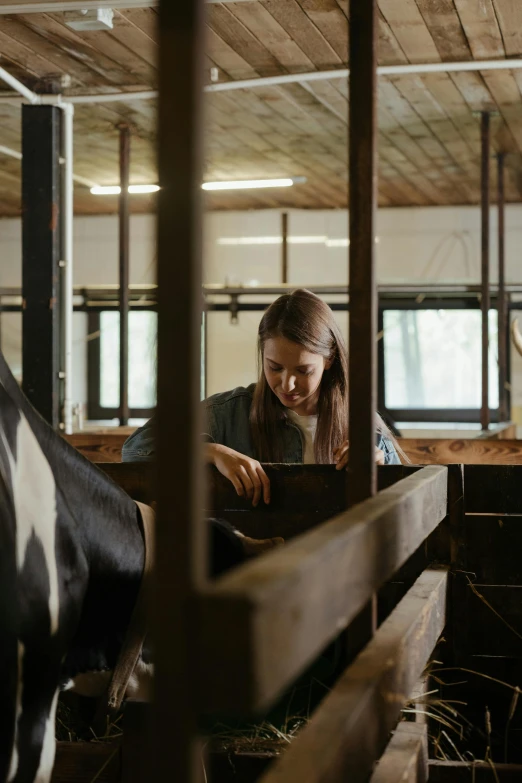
(341, 456)
(246, 474)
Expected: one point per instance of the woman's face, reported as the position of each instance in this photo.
(294, 374)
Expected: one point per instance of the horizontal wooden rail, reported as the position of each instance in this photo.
(351, 727)
(263, 623)
(475, 451)
(405, 759)
(474, 772)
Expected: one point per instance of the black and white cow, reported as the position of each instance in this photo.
(71, 559)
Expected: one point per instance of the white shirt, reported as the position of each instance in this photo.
(308, 427)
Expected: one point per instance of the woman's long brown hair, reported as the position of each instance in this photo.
(303, 318)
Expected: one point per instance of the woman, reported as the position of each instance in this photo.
(296, 412)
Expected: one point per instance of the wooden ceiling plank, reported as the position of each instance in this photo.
(410, 29)
(63, 61)
(310, 40)
(402, 165)
(63, 38)
(414, 89)
(445, 28)
(109, 46)
(390, 51)
(504, 89)
(236, 35)
(25, 57)
(145, 19)
(332, 23)
(227, 59)
(272, 36)
(480, 24)
(509, 15)
(400, 108)
(134, 39)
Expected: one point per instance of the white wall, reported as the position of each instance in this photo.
(425, 245)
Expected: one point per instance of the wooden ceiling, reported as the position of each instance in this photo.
(429, 134)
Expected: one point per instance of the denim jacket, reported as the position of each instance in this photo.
(227, 416)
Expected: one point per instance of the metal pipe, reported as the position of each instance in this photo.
(501, 300)
(17, 85)
(18, 155)
(287, 78)
(362, 473)
(67, 262)
(485, 201)
(124, 248)
(284, 248)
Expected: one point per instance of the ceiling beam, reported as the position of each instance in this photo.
(53, 6)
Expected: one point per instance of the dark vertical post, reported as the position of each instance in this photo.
(501, 298)
(124, 245)
(485, 200)
(363, 301)
(41, 134)
(284, 247)
(181, 548)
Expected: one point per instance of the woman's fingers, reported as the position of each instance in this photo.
(379, 456)
(265, 481)
(343, 462)
(238, 486)
(256, 484)
(246, 481)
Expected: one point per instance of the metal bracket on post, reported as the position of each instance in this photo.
(233, 308)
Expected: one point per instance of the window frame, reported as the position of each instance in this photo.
(429, 415)
(95, 411)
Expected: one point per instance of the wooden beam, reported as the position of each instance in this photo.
(474, 772)
(484, 211)
(124, 251)
(41, 253)
(431, 451)
(263, 623)
(181, 548)
(362, 473)
(350, 728)
(405, 759)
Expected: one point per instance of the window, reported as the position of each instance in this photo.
(432, 364)
(104, 364)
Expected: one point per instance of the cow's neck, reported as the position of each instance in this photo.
(97, 516)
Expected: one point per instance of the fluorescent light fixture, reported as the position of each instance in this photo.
(250, 184)
(292, 240)
(143, 188)
(114, 190)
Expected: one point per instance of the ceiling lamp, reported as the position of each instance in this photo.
(115, 190)
(95, 19)
(249, 184)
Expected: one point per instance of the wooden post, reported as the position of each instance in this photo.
(124, 273)
(363, 301)
(284, 247)
(485, 200)
(501, 300)
(41, 252)
(181, 546)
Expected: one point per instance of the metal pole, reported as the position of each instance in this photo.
(485, 201)
(501, 300)
(181, 551)
(124, 272)
(363, 301)
(67, 262)
(284, 248)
